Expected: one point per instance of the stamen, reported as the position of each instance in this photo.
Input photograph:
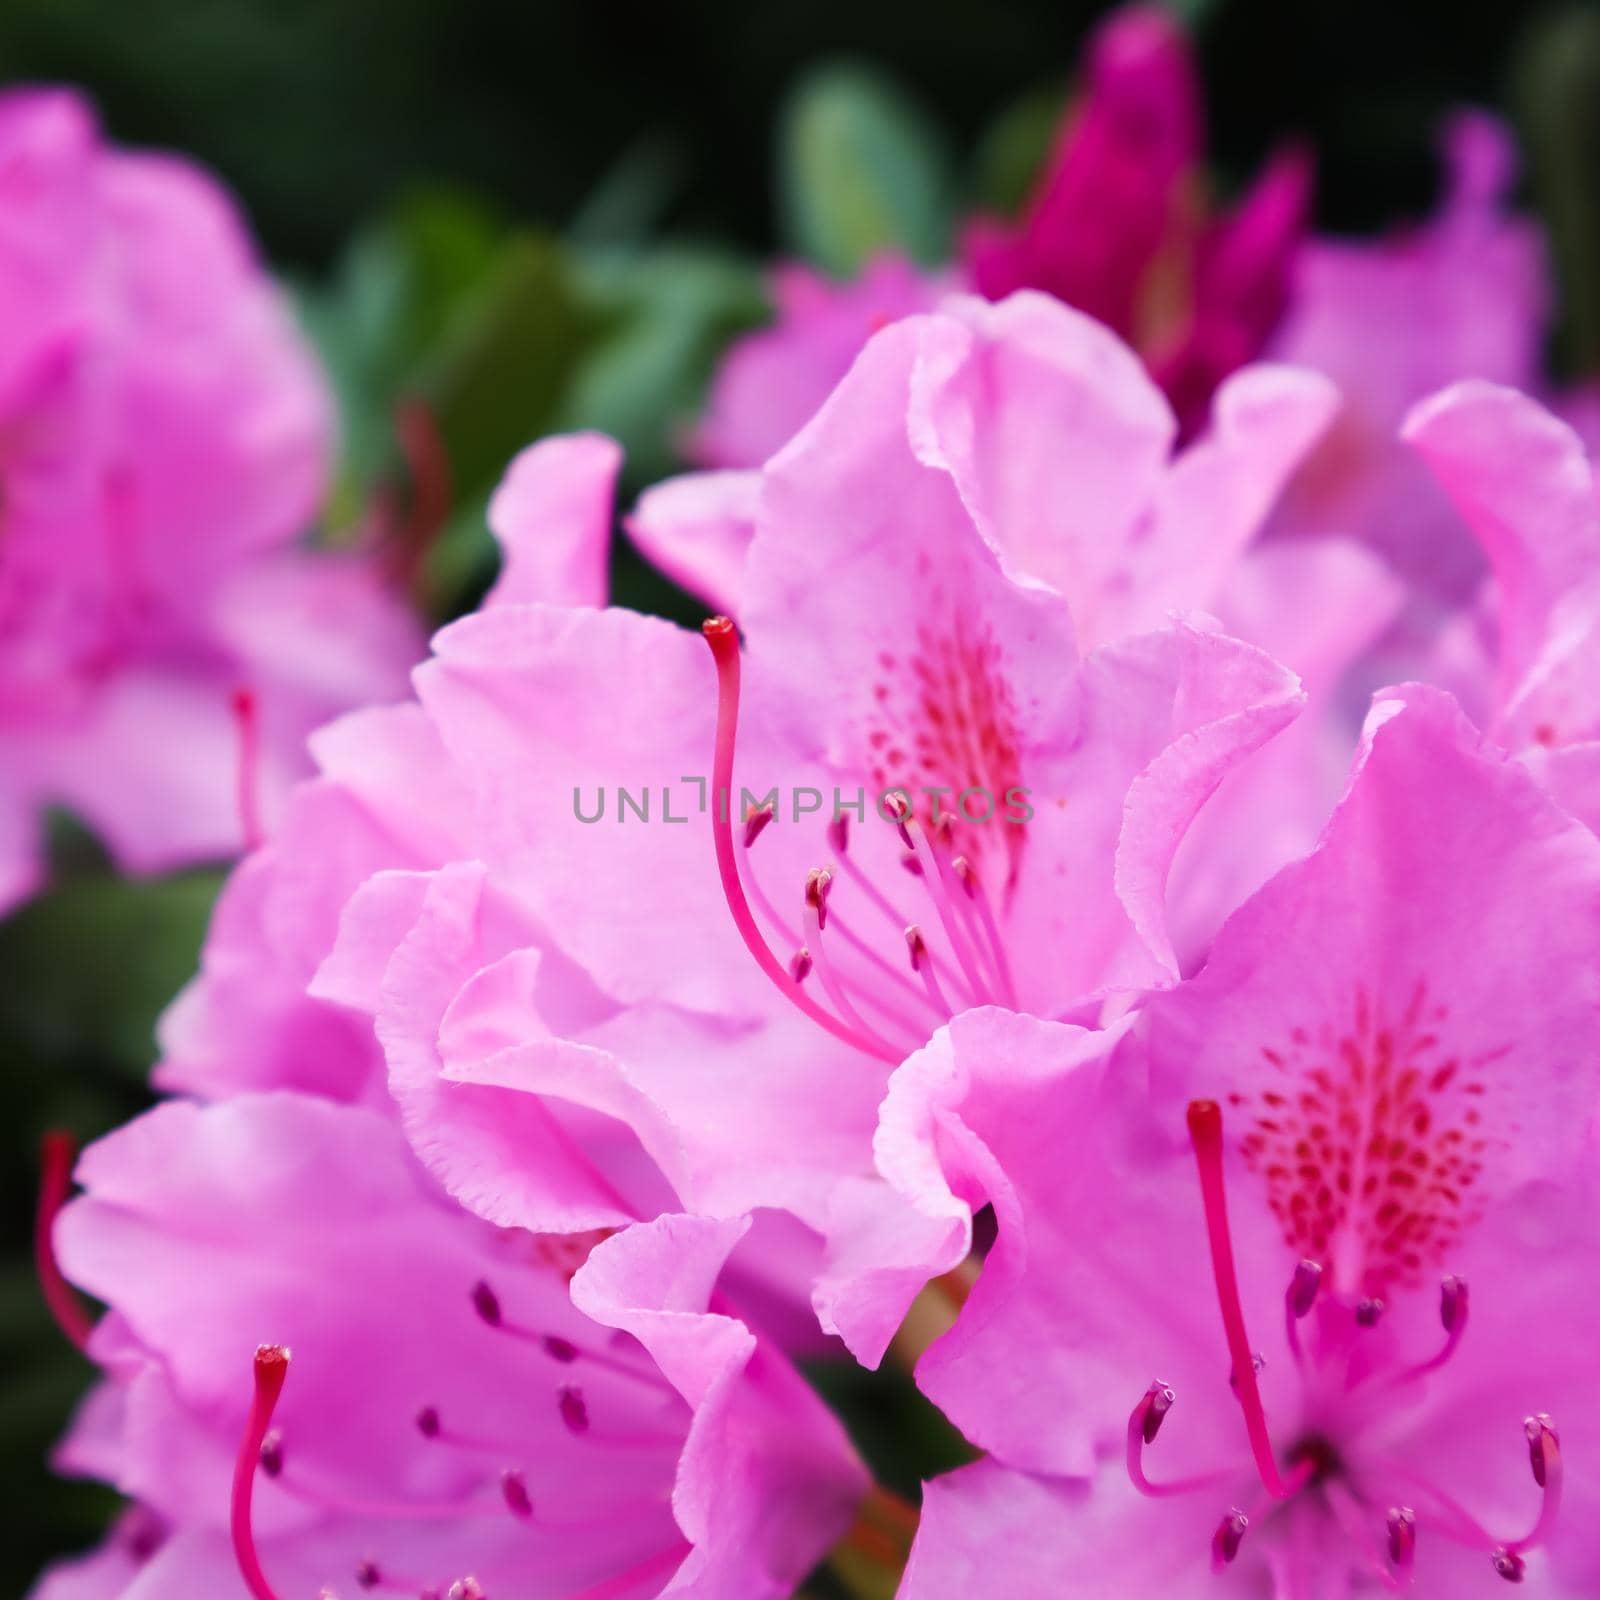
(271, 1365)
(272, 1454)
(1453, 1305)
(724, 643)
(755, 822)
(815, 916)
(1205, 1134)
(1298, 1301)
(247, 726)
(1369, 1312)
(922, 965)
(1229, 1536)
(933, 878)
(1144, 1423)
(1402, 1526)
(1508, 1564)
(56, 1152)
(967, 876)
(1544, 1457)
(800, 965)
(839, 833)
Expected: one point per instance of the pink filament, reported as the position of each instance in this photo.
(720, 635)
(56, 1150)
(1205, 1133)
(247, 723)
(271, 1366)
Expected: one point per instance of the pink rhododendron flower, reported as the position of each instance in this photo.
(1465, 295)
(771, 381)
(1380, 1223)
(554, 984)
(1523, 484)
(450, 1422)
(1113, 228)
(164, 440)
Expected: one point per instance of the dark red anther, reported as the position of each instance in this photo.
(917, 946)
(367, 1575)
(1303, 1286)
(486, 1303)
(818, 882)
(1369, 1311)
(515, 1491)
(839, 833)
(574, 1409)
(909, 861)
(428, 1422)
(800, 964)
(966, 876)
(1452, 1301)
(559, 1349)
(755, 821)
(272, 1454)
(1508, 1564)
(897, 809)
(1229, 1536)
(1541, 1434)
(1158, 1401)
(1402, 1525)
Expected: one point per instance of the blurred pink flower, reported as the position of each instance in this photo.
(449, 1417)
(1113, 228)
(164, 440)
(1530, 652)
(1463, 295)
(1397, 1055)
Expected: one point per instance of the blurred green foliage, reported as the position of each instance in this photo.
(555, 216)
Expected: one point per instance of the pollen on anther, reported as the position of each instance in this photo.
(1369, 1312)
(272, 1454)
(1229, 1536)
(1452, 1301)
(1401, 1524)
(800, 964)
(1303, 1287)
(1508, 1564)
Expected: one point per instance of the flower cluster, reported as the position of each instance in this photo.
(165, 646)
(1235, 1104)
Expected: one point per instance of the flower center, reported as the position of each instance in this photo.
(955, 952)
(1329, 1462)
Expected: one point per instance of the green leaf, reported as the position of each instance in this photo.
(670, 314)
(861, 170)
(1011, 156)
(91, 965)
(502, 366)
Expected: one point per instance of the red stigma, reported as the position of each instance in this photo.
(271, 1367)
(57, 1150)
(1205, 1134)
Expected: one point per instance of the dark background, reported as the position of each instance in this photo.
(601, 121)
